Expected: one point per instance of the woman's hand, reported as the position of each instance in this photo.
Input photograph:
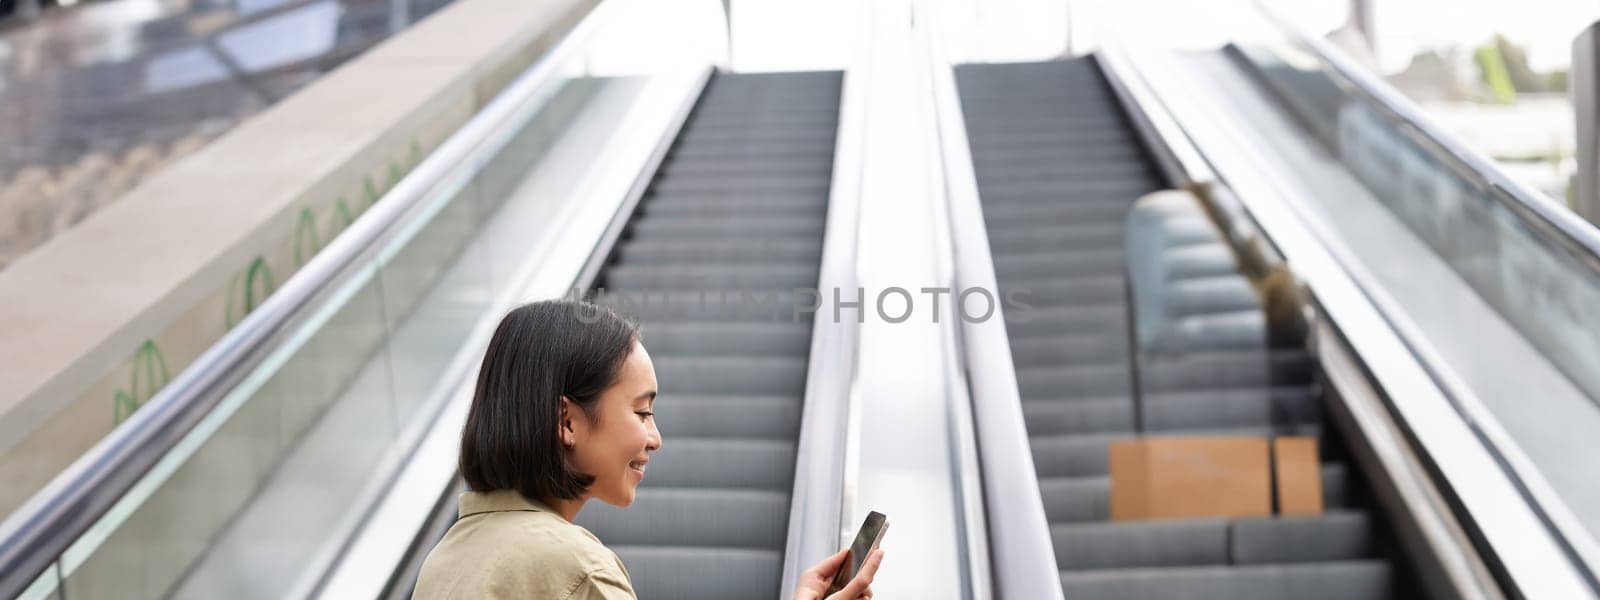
(814, 582)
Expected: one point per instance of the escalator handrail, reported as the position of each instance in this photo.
(1543, 213)
(1021, 552)
(39, 532)
(822, 478)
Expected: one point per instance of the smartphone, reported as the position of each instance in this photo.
(867, 538)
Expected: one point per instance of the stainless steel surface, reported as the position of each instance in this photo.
(1023, 560)
(1438, 545)
(820, 475)
(906, 458)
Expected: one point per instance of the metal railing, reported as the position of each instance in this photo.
(1545, 214)
(1023, 561)
(38, 533)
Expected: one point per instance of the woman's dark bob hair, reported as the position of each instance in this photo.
(541, 352)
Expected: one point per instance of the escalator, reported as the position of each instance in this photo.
(1059, 168)
(732, 222)
(701, 211)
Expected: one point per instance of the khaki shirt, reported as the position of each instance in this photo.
(504, 546)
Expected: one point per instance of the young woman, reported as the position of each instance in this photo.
(561, 415)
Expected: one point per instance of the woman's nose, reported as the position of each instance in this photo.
(653, 442)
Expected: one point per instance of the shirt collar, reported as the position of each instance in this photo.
(472, 503)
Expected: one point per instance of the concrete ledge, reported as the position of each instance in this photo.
(100, 317)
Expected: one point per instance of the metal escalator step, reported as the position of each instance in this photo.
(755, 250)
(1044, 235)
(1069, 291)
(713, 204)
(814, 152)
(648, 227)
(769, 305)
(736, 518)
(726, 276)
(1059, 212)
(751, 185)
(1016, 205)
(801, 182)
(731, 375)
(786, 338)
(1121, 545)
(757, 147)
(729, 416)
(1074, 380)
(745, 168)
(672, 571)
(1055, 154)
(1201, 370)
(1003, 176)
(1180, 410)
(1105, 316)
(1045, 350)
(1341, 535)
(1058, 264)
(1349, 580)
(1088, 498)
(1076, 499)
(1000, 145)
(1334, 536)
(730, 225)
(1075, 455)
(738, 463)
(1103, 415)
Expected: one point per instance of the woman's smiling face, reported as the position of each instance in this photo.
(615, 444)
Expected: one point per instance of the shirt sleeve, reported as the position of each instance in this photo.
(604, 584)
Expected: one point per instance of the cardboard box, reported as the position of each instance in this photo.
(1298, 475)
(1200, 477)
(1175, 478)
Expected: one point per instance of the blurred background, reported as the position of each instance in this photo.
(95, 96)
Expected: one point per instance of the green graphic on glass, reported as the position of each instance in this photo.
(149, 375)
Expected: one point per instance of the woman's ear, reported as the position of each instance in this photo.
(567, 429)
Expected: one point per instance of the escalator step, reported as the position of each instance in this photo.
(742, 416)
(730, 276)
(792, 339)
(737, 518)
(1106, 415)
(731, 375)
(689, 462)
(1349, 580)
(1331, 536)
(701, 572)
(1121, 545)
(755, 250)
